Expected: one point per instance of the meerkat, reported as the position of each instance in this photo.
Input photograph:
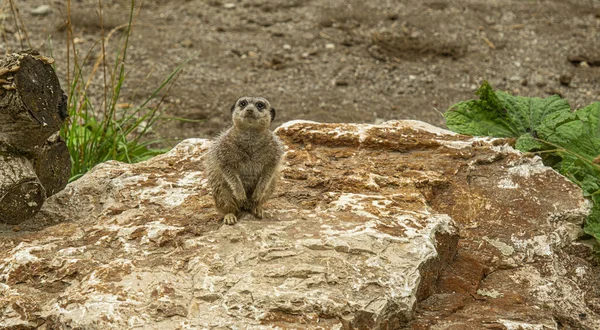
(242, 165)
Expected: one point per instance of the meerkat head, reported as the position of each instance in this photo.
(252, 112)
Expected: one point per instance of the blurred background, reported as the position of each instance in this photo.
(320, 60)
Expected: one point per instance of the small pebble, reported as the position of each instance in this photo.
(229, 5)
(340, 82)
(42, 10)
(538, 80)
(565, 79)
(187, 43)
(287, 47)
(330, 46)
(553, 91)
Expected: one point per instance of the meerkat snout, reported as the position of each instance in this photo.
(249, 111)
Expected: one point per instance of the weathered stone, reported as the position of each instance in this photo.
(42, 10)
(359, 236)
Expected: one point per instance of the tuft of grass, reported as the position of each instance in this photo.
(114, 129)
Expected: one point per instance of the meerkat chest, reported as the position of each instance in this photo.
(251, 155)
(251, 164)
(250, 171)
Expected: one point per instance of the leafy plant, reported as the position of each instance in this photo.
(569, 141)
(114, 130)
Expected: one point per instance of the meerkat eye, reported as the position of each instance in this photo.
(243, 103)
(260, 105)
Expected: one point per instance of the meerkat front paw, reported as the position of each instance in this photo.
(230, 219)
(258, 211)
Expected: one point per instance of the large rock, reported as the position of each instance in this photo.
(362, 234)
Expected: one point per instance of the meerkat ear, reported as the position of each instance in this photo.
(233, 107)
(273, 111)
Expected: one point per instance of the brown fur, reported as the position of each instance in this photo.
(243, 163)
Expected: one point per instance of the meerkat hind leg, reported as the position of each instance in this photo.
(258, 209)
(230, 219)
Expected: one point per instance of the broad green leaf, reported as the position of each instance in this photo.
(500, 114)
(483, 117)
(527, 143)
(582, 172)
(526, 113)
(469, 118)
(577, 131)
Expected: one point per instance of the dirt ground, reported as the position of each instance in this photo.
(331, 61)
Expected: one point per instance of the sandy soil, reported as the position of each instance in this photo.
(332, 61)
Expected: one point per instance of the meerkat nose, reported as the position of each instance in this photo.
(250, 112)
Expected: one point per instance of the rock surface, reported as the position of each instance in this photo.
(391, 226)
